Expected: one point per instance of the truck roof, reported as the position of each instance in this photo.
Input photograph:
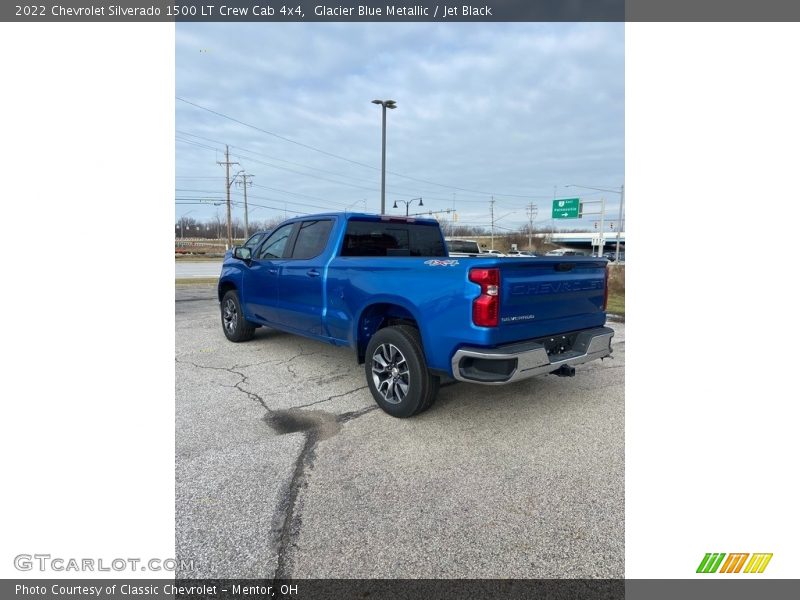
(347, 215)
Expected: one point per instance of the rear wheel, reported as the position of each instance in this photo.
(397, 373)
(235, 327)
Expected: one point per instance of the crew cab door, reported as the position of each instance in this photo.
(260, 279)
(302, 278)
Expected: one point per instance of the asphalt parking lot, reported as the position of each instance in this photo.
(285, 467)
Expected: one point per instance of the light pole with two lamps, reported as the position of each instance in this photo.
(408, 202)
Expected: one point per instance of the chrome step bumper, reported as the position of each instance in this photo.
(521, 360)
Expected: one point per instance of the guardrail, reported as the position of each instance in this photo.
(200, 243)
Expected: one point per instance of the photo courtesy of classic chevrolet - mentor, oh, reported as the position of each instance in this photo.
(386, 287)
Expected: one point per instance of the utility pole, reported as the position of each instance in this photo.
(619, 221)
(533, 210)
(452, 223)
(602, 226)
(245, 183)
(228, 183)
(491, 208)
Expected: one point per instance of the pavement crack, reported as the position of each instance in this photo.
(238, 385)
(355, 414)
(317, 426)
(290, 527)
(329, 398)
(258, 364)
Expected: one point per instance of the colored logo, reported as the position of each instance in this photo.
(733, 563)
(441, 263)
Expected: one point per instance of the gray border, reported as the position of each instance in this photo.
(428, 10)
(729, 588)
(414, 11)
(424, 10)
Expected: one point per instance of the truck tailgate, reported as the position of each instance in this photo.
(554, 291)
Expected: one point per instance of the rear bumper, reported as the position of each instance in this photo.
(521, 360)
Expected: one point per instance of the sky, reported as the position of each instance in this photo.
(513, 111)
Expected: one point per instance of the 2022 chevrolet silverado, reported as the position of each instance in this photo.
(386, 287)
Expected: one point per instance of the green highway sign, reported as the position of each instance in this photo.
(566, 208)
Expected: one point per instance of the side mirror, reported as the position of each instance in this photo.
(242, 253)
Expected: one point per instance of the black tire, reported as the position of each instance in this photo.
(400, 392)
(235, 327)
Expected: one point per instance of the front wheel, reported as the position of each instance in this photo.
(235, 327)
(397, 373)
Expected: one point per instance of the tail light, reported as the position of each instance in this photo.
(605, 293)
(486, 307)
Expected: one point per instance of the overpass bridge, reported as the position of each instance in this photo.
(584, 239)
(581, 240)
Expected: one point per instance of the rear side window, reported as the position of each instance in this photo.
(381, 238)
(312, 238)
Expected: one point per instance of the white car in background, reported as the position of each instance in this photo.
(494, 253)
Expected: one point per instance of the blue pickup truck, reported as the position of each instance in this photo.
(386, 287)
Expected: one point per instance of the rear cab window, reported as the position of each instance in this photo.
(392, 238)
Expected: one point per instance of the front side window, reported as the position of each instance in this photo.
(312, 239)
(276, 244)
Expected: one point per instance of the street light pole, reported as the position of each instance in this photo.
(408, 202)
(392, 105)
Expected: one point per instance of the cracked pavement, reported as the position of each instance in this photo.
(284, 466)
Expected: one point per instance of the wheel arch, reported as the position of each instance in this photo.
(224, 287)
(378, 315)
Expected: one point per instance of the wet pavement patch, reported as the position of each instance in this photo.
(294, 420)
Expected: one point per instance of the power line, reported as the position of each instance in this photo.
(198, 144)
(269, 156)
(355, 162)
(326, 208)
(394, 188)
(224, 116)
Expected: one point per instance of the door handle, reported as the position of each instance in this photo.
(312, 273)
(273, 271)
